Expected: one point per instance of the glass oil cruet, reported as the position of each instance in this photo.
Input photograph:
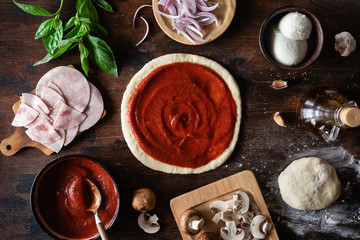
(324, 112)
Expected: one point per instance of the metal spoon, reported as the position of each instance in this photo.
(94, 208)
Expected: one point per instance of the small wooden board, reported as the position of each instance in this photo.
(225, 14)
(19, 139)
(223, 189)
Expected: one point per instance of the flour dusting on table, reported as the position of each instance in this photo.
(334, 220)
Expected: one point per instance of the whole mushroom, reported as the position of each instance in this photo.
(144, 200)
(191, 221)
(345, 43)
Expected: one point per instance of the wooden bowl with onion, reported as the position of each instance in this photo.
(314, 42)
(61, 198)
(224, 13)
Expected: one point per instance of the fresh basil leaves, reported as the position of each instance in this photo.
(82, 30)
(33, 10)
(101, 54)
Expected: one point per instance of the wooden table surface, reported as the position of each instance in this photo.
(263, 147)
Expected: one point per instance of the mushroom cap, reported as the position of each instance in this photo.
(186, 218)
(231, 232)
(144, 200)
(208, 236)
(260, 226)
(148, 223)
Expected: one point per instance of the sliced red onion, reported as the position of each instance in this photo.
(180, 31)
(190, 21)
(208, 15)
(147, 32)
(187, 17)
(165, 4)
(136, 12)
(172, 9)
(195, 30)
(168, 15)
(207, 8)
(196, 38)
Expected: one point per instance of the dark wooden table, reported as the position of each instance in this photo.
(263, 147)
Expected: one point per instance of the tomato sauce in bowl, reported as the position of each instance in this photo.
(60, 197)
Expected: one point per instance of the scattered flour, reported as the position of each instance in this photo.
(335, 219)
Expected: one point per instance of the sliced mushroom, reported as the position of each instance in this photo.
(247, 231)
(208, 236)
(226, 216)
(191, 221)
(241, 202)
(260, 227)
(217, 217)
(254, 209)
(218, 206)
(246, 219)
(149, 223)
(345, 43)
(229, 204)
(231, 232)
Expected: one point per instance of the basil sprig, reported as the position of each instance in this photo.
(82, 30)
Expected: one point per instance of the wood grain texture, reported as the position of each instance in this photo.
(201, 199)
(263, 147)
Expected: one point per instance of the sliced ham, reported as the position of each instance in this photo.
(24, 115)
(50, 96)
(53, 86)
(73, 85)
(43, 132)
(56, 109)
(35, 102)
(41, 116)
(94, 110)
(70, 134)
(68, 118)
(57, 145)
(65, 103)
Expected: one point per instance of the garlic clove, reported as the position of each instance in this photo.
(279, 120)
(279, 84)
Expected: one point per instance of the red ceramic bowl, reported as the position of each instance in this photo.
(60, 197)
(315, 41)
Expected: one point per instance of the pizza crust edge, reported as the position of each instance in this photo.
(140, 75)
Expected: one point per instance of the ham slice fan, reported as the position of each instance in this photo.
(64, 104)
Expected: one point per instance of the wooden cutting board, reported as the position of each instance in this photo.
(19, 139)
(223, 189)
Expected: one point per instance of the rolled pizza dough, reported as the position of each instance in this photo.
(309, 184)
(146, 159)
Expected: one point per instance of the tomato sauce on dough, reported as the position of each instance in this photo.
(63, 197)
(183, 114)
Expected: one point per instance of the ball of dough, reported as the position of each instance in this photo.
(287, 51)
(295, 25)
(309, 184)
